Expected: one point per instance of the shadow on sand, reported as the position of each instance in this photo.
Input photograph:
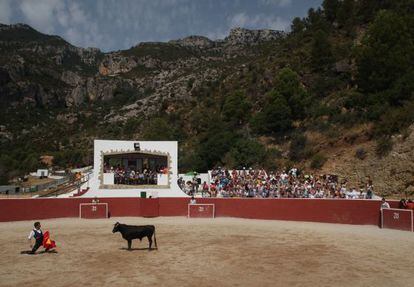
(137, 249)
(29, 252)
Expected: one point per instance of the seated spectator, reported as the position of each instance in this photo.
(258, 183)
(384, 204)
(204, 189)
(402, 204)
(132, 176)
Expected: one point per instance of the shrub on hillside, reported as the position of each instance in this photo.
(271, 157)
(318, 160)
(360, 153)
(384, 146)
(298, 147)
(190, 84)
(395, 120)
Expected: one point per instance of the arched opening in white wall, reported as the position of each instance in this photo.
(135, 169)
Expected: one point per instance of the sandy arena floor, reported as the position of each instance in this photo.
(204, 252)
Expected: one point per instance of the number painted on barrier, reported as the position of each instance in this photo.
(201, 209)
(94, 208)
(396, 216)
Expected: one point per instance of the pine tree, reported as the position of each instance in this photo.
(346, 16)
(330, 7)
(321, 53)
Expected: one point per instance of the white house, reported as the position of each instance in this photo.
(42, 173)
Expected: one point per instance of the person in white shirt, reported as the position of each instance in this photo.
(284, 177)
(37, 234)
(352, 194)
(355, 193)
(293, 171)
(384, 204)
(192, 200)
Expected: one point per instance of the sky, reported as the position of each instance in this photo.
(120, 24)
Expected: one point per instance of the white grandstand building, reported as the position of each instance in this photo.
(111, 156)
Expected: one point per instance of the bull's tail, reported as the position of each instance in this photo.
(155, 240)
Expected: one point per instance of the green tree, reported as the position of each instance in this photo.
(131, 126)
(386, 53)
(212, 147)
(402, 90)
(236, 108)
(189, 160)
(316, 20)
(289, 86)
(330, 8)
(31, 162)
(402, 7)
(275, 118)
(245, 153)
(159, 129)
(277, 114)
(297, 25)
(367, 9)
(346, 16)
(321, 52)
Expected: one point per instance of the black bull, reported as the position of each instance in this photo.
(130, 232)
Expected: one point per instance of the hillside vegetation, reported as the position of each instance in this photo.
(334, 95)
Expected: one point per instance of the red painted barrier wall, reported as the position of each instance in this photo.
(401, 219)
(149, 207)
(315, 210)
(42, 208)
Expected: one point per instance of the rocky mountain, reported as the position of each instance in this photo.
(39, 68)
(334, 95)
(46, 70)
(43, 72)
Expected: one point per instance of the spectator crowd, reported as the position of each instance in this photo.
(406, 204)
(132, 176)
(258, 183)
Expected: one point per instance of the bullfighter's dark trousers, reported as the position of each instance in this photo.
(39, 242)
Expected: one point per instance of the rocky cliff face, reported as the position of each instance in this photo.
(115, 63)
(45, 70)
(240, 36)
(41, 69)
(195, 42)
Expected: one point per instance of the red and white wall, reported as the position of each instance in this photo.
(314, 210)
